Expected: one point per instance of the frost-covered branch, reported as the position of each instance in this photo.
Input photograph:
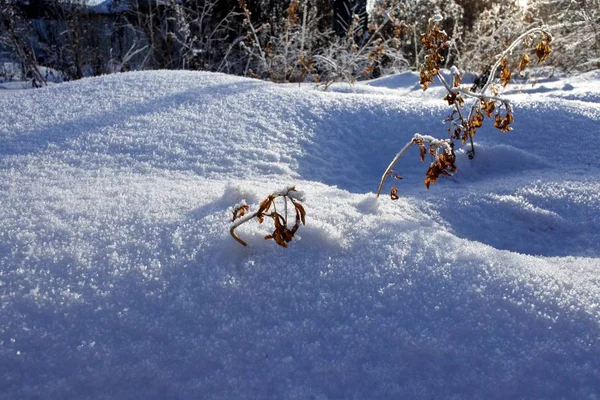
(442, 164)
(518, 41)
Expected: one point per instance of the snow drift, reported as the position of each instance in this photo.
(118, 277)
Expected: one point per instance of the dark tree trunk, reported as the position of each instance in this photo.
(344, 10)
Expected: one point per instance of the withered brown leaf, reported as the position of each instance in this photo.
(300, 212)
(454, 98)
(488, 107)
(525, 61)
(427, 182)
(505, 74)
(239, 212)
(503, 123)
(265, 204)
(457, 80)
(426, 78)
(543, 48)
(477, 119)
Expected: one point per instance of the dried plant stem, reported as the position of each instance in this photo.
(417, 138)
(457, 107)
(239, 222)
(388, 170)
(508, 51)
(282, 234)
(494, 68)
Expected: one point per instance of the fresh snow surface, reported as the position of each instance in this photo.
(119, 279)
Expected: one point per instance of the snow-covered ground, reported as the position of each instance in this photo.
(119, 279)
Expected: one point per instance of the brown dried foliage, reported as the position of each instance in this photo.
(293, 9)
(282, 235)
(464, 125)
(434, 43)
(502, 122)
(525, 61)
(454, 98)
(466, 128)
(543, 48)
(505, 73)
(443, 164)
(240, 211)
(488, 106)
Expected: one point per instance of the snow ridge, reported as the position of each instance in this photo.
(118, 277)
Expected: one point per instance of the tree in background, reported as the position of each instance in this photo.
(411, 20)
(495, 28)
(285, 40)
(344, 12)
(16, 34)
(576, 27)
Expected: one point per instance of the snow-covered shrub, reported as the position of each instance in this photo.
(411, 20)
(281, 50)
(201, 31)
(483, 97)
(576, 24)
(299, 47)
(8, 71)
(368, 48)
(495, 29)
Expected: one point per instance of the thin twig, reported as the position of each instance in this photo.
(388, 170)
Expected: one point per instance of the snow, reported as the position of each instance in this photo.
(119, 279)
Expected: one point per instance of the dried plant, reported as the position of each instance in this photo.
(483, 95)
(443, 158)
(282, 234)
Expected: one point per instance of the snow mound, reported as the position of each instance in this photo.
(118, 277)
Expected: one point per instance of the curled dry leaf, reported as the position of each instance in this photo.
(442, 165)
(505, 73)
(476, 119)
(422, 151)
(543, 48)
(394, 194)
(503, 123)
(457, 80)
(488, 106)
(525, 61)
(457, 132)
(454, 98)
(239, 211)
(426, 78)
(300, 212)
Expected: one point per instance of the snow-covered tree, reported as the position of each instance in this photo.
(16, 34)
(495, 28)
(411, 18)
(576, 28)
